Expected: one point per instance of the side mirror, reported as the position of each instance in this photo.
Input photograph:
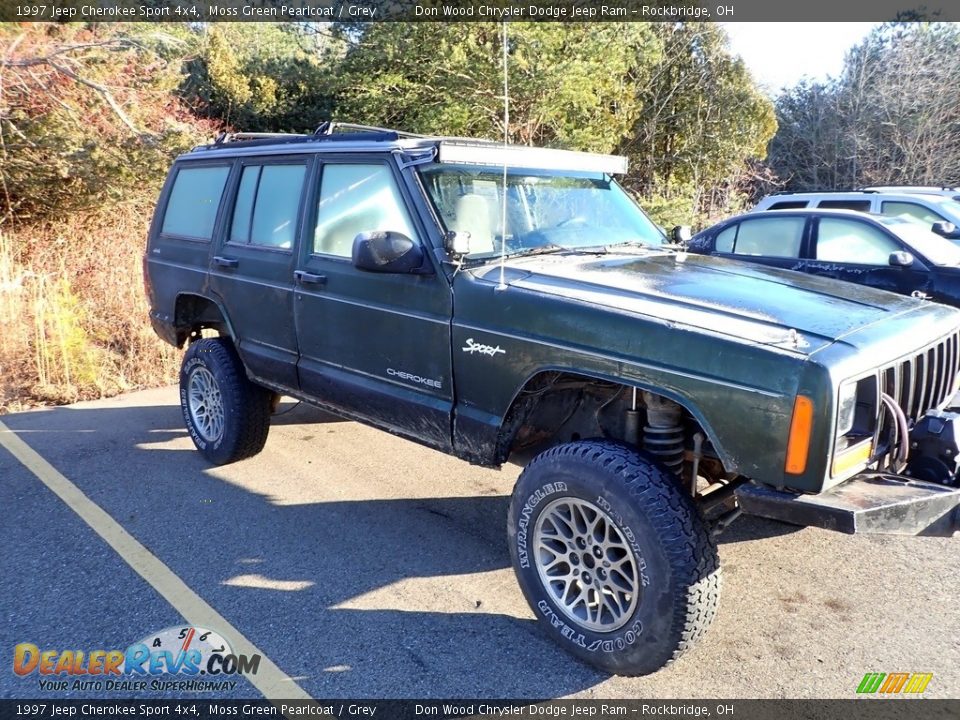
(946, 229)
(388, 252)
(901, 259)
(457, 242)
(681, 234)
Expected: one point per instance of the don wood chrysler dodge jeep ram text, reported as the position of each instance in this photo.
(652, 395)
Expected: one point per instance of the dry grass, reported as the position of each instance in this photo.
(73, 316)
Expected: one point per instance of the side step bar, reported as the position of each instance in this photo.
(880, 504)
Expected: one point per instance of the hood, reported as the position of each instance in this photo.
(760, 304)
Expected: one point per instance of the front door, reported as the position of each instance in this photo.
(374, 346)
(857, 251)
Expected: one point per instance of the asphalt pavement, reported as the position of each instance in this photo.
(366, 566)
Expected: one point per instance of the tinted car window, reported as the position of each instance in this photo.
(194, 199)
(243, 207)
(859, 205)
(789, 205)
(356, 199)
(911, 210)
(848, 241)
(774, 237)
(275, 211)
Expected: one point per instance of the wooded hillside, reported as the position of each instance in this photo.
(91, 116)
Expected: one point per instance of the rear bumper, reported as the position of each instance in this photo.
(882, 504)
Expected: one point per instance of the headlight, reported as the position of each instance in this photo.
(846, 408)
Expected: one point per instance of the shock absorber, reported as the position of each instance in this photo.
(663, 433)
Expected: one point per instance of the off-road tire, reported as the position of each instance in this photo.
(679, 569)
(245, 405)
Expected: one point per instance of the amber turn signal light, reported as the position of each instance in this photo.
(798, 446)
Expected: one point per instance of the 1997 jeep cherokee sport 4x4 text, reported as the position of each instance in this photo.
(658, 394)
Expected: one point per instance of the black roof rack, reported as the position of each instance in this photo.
(326, 132)
(330, 127)
(810, 192)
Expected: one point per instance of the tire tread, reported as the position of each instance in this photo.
(250, 402)
(691, 550)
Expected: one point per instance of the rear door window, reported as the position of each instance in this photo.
(268, 204)
(193, 201)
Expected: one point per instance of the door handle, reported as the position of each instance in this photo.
(306, 278)
(225, 262)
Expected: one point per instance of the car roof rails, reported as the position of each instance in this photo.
(326, 132)
(819, 192)
(329, 128)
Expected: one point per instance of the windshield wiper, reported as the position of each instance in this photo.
(559, 249)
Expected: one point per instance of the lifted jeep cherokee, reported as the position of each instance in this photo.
(493, 301)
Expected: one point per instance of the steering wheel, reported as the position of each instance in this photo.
(575, 220)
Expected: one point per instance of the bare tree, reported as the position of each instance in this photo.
(892, 117)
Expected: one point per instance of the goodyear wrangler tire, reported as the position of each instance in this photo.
(614, 559)
(227, 416)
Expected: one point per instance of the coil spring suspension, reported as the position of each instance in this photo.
(663, 433)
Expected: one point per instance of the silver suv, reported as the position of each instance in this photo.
(938, 212)
(951, 192)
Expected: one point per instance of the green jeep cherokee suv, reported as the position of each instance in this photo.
(495, 302)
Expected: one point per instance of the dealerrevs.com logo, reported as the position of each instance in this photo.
(202, 658)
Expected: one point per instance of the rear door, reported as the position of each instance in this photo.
(858, 251)
(252, 267)
(374, 346)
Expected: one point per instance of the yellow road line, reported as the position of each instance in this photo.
(270, 680)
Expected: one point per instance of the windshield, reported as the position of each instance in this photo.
(558, 210)
(935, 248)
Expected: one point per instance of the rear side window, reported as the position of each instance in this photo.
(788, 205)
(192, 206)
(858, 205)
(770, 237)
(267, 206)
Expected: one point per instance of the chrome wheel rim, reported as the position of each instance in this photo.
(205, 404)
(586, 565)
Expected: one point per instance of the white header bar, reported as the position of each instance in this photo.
(520, 156)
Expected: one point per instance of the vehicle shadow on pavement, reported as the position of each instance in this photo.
(748, 528)
(351, 596)
(352, 593)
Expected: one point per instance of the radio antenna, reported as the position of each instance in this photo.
(506, 142)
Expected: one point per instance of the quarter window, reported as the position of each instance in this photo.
(268, 201)
(355, 199)
(194, 199)
(848, 241)
(772, 237)
(788, 205)
(725, 239)
(858, 205)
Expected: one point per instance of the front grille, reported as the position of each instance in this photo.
(923, 382)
